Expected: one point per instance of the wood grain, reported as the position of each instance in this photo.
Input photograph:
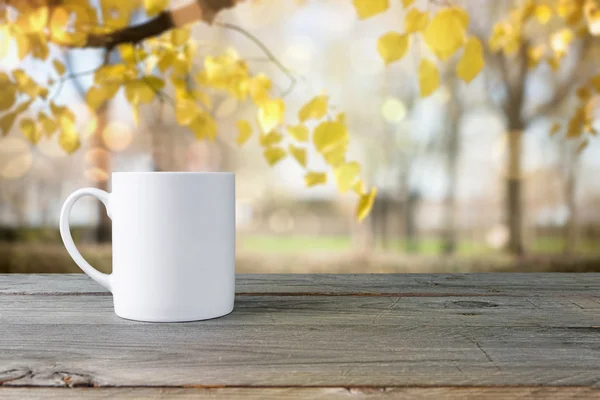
(451, 393)
(490, 284)
(311, 336)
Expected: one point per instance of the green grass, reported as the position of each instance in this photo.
(425, 246)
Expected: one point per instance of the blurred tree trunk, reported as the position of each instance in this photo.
(516, 126)
(449, 240)
(570, 231)
(514, 205)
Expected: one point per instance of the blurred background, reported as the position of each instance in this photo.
(446, 167)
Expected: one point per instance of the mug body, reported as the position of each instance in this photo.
(173, 245)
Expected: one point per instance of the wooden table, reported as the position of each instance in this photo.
(331, 336)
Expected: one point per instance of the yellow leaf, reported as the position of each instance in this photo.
(30, 130)
(583, 94)
(595, 82)
(62, 113)
(471, 62)
(259, 87)
(143, 91)
(554, 63)
(575, 126)
(446, 32)
(368, 8)
(298, 153)
(392, 46)
(346, 175)
(127, 52)
(39, 46)
(8, 92)
(97, 96)
(135, 114)
(462, 16)
(270, 114)
(358, 187)
(365, 203)
(204, 126)
(6, 122)
(180, 36)
(315, 178)
(48, 125)
(274, 154)
(429, 77)
(244, 132)
(69, 141)
(26, 84)
(202, 97)
(543, 13)
(407, 3)
(331, 141)
(298, 132)
(43, 93)
(582, 146)
(165, 61)
(70, 23)
(37, 19)
(560, 41)
(111, 74)
(415, 20)
(59, 67)
(270, 138)
(155, 7)
(316, 108)
(23, 46)
(534, 55)
(186, 111)
(555, 128)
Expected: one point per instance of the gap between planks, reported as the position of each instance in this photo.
(292, 294)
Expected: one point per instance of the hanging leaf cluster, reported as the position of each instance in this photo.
(562, 22)
(161, 68)
(544, 29)
(330, 139)
(444, 33)
(580, 126)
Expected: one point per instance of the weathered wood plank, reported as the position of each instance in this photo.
(305, 341)
(451, 393)
(521, 284)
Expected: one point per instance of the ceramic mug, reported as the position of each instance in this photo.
(173, 244)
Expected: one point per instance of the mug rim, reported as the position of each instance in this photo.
(171, 173)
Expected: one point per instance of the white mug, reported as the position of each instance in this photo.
(173, 244)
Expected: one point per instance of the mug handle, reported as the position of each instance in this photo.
(65, 232)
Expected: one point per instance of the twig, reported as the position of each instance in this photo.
(267, 52)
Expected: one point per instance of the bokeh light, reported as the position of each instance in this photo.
(393, 110)
(51, 148)
(15, 157)
(8, 50)
(299, 54)
(117, 136)
(254, 15)
(96, 175)
(97, 156)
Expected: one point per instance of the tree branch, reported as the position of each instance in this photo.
(132, 34)
(198, 10)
